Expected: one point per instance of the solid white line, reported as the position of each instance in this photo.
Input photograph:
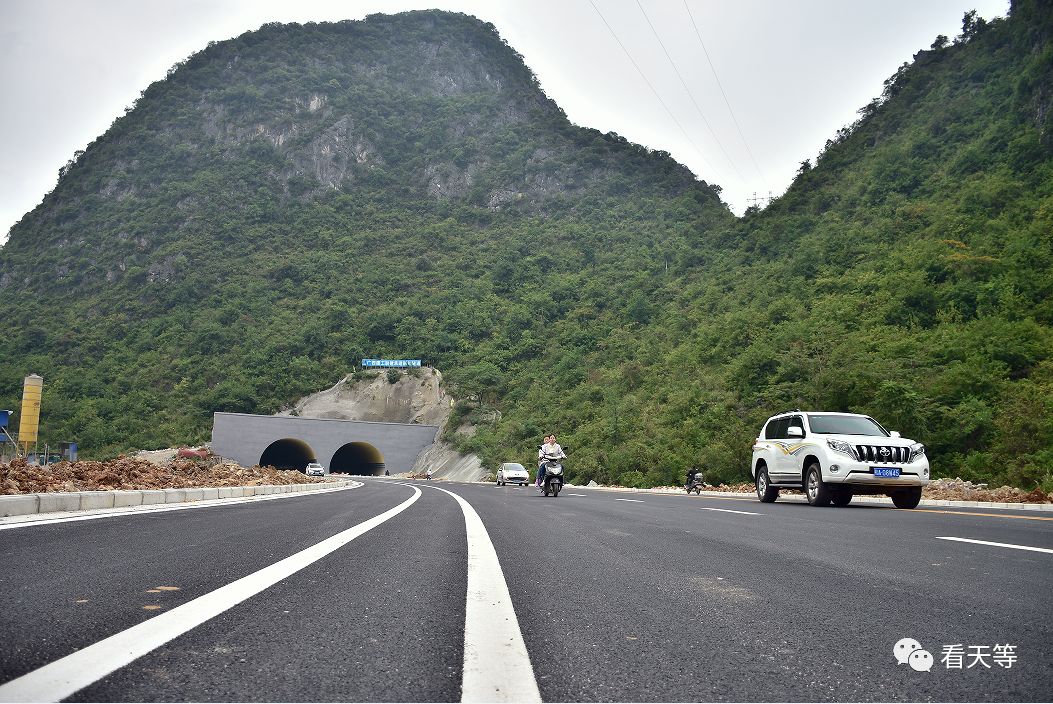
(496, 663)
(728, 510)
(64, 677)
(997, 545)
(635, 501)
(160, 508)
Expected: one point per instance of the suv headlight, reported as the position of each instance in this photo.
(841, 446)
(916, 450)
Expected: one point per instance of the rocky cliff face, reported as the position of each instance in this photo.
(413, 398)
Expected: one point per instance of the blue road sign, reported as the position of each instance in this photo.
(391, 363)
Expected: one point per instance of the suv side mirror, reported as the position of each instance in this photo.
(795, 432)
(895, 433)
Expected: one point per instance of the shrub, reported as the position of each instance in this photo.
(633, 480)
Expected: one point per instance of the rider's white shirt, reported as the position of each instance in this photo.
(550, 450)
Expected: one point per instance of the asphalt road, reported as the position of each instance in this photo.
(618, 596)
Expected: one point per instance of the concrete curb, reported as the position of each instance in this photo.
(28, 504)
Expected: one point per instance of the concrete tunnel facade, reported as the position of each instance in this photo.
(289, 442)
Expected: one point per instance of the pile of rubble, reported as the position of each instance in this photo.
(19, 477)
(958, 489)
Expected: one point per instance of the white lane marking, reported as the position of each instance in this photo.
(163, 508)
(496, 662)
(66, 676)
(577, 494)
(997, 545)
(728, 510)
(635, 501)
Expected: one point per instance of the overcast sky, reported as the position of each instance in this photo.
(792, 71)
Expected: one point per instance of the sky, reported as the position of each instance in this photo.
(739, 91)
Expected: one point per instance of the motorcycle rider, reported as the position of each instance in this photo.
(549, 451)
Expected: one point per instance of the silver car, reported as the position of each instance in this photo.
(315, 470)
(512, 472)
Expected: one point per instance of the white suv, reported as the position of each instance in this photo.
(834, 456)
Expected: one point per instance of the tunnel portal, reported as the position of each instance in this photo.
(342, 446)
(287, 453)
(358, 458)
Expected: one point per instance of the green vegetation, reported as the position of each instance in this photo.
(298, 198)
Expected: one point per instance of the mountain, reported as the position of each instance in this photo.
(292, 200)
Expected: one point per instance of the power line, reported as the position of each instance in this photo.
(644, 77)
(726, 101)
(689, 93)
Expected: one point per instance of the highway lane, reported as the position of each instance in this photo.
(659, 598)
(95, 581)
(679, 603)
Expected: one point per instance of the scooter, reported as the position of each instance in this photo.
(695, 485)
(553, 478)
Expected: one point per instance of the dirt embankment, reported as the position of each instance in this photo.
(18, 477)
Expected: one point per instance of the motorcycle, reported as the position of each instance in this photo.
(553, 477)
(696, 484)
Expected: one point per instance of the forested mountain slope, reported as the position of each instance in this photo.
(297, 198)
(907, 274)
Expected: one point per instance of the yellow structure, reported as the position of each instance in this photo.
(29, 422)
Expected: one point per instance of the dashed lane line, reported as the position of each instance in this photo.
(66, 676)
(997, 545)
(577, 494)
(635, 501)
(728, 510)
(496, 662)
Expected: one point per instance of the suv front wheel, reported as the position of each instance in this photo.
(765, 491)
(814, 488)
(907, 498)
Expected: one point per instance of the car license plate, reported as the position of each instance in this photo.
(886, 471)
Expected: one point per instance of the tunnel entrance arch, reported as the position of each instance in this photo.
(358, 458)
(288, 453)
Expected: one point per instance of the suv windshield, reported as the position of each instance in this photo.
(845, 425)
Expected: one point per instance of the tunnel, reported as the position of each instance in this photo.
(288, 453)
(358, 458)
